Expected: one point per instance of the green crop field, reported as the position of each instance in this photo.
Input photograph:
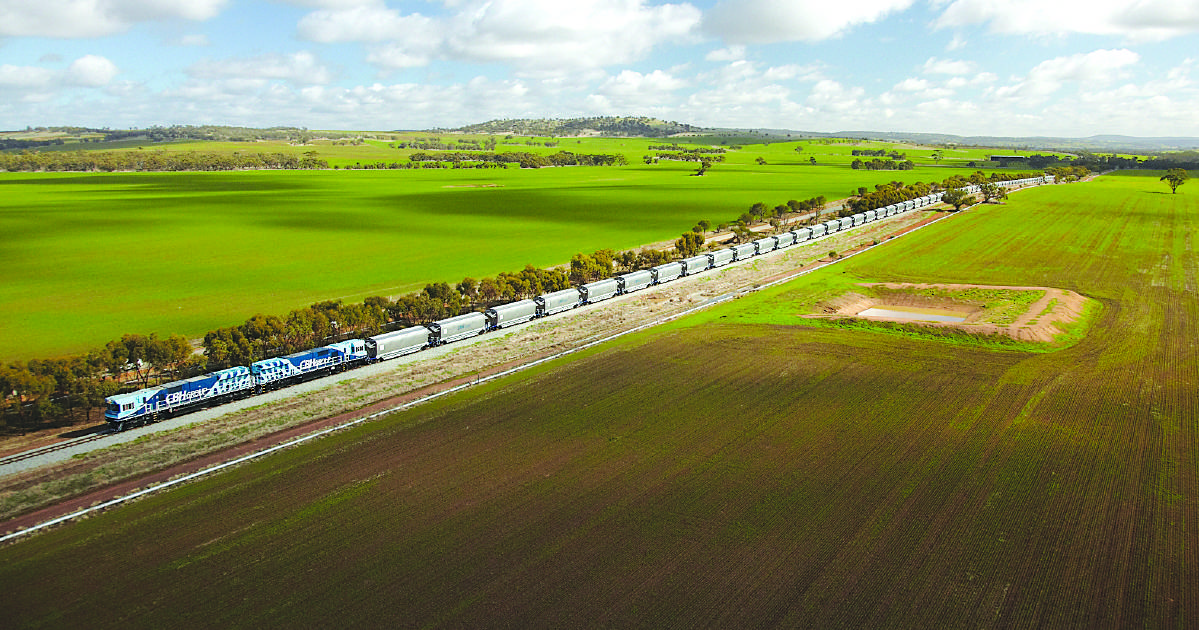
(89, 257)
(734, 469)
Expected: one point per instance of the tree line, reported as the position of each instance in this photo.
(882, 165)
(682, 149)
(683, 157)
(435, 144)
(110, 161)
(1066, 174)
(894, 155)
(525, 159)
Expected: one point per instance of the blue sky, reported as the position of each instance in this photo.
(971, 67)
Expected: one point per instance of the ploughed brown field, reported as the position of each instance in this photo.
(726, 472)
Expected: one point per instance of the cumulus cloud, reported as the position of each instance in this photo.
(911, 85)
(947, 66)
(38, 85)
(25, 77)
(86, 71)
(731, 53)
(301, 68)
(1097, 68)
(367, 22)
(766, 21)
(631, 83)
(1141, 20)
(580, 34)
(633, 91)
(95, 18)
(91, 71)
(539, 35)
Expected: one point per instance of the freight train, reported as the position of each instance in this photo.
(150, 404)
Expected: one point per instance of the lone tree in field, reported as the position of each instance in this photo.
(1174, 178)
(957, 198)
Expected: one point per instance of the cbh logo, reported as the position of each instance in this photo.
(315, 364)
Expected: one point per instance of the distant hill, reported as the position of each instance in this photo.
(1092, 143)
(1102, 143)
(641, 126)
(618, 126)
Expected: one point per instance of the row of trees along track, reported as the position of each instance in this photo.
(43, 393)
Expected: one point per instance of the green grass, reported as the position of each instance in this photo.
(89, 257)
(731, 469)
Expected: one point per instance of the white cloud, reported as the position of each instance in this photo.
(947, 66)
(94, 18)
(549, 34)
(632, 91)
(533, 35)
(25, 77)
(978, 79)
(399, 55)
(1139, 20)
(91, 71)
(731, 53)
(911, 85)
(302, 68)
(367, 22)
(913, 88)
(1097, 67)
(38, 86)
(194, 40)
(957, 43)
(766, 21)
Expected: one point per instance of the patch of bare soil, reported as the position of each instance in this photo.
(1039, 322)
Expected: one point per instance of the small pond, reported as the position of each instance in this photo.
(920, 314)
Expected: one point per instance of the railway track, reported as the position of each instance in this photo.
(50, 448)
